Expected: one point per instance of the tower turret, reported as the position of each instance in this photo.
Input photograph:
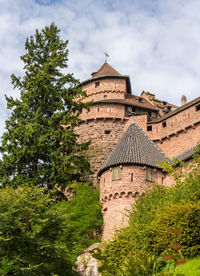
(112, 105)
(106, 83)
(130, 169)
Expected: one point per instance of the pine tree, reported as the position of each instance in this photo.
(35, 147)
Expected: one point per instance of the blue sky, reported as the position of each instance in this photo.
(156, 42)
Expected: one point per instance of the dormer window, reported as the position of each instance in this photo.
(149, 174)
(97, 84)
(139, 100)
(116, 173)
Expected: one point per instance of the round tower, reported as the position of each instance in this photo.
(130, 169)
(112, 105)
(104, 123)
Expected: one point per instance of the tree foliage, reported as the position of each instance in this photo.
(31, 232)
(84, 219)
(35, 147)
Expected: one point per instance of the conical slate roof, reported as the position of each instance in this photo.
(135, 147)
(105, 69)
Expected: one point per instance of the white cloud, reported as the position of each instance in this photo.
(155, 42)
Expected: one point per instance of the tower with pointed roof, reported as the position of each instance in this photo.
(113, 104)
(129, 170)
(124, 156)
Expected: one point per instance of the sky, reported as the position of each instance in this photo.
(155, 42)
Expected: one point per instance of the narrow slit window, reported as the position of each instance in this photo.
(97, 84)
(131, 177)
(164, 124)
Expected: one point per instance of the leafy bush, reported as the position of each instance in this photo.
(114, 252)
(6, 266)
(191, 267)
(177, 226)
(83, 221)
(31, 232)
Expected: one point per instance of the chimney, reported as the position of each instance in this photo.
(183, 100)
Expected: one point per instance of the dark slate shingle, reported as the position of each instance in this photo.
(186, 154)
(135, 147)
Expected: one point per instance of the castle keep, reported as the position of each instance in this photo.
(130, 135)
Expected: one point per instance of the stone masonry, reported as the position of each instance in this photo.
(173, 129)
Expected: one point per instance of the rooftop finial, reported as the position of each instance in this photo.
(106, 56)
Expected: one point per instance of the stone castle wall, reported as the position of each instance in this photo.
(102, 110)
(180, 142)
(108, 88)
(104, 135)
(106, 123)
(177, 133)
(118, 196)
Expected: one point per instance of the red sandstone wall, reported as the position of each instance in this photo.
(102, 143)
(102, 110)
(108, 88)
(175, 123)
(118, 196)
(181, 141)
(182, 132)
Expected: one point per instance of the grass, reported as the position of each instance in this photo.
(191, 268)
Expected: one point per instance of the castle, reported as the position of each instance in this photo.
(129, 136)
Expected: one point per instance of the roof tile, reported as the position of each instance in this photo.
(105, 69)
(135, 147)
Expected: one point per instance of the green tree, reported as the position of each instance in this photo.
(31, 233)
(84, 219)
(35, 147)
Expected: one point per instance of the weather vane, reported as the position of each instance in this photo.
(106, 56)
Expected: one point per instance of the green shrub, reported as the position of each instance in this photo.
(140, 263)
(177, 227)
(6, 266)
(84, 219)
(31, 232)
(115, 251)
(191, 268)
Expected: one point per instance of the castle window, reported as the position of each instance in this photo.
(149, 174)
(149, 128)
(197, 107)
(131, 177)
(164, 124)
(107, 131)
(139, 100)
(97, 84)
(105, 96)
(116, 173)
(129, 111)
(97, 109)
